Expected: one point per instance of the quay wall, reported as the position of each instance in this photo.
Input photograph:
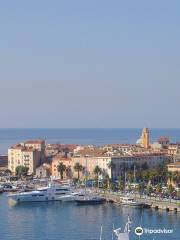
(155, 203)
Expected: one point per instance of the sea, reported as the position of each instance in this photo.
(68, 221)
(97, 136)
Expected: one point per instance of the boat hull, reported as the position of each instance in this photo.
(90, 201)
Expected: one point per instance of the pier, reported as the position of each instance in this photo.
(152, 202)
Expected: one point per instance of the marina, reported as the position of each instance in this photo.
(62, 220)
(92, 201)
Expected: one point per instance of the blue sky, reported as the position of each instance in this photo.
(89, 63)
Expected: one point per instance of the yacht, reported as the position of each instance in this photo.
(88, 199)
(130, 202)
(53, 192)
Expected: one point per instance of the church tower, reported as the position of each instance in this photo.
(145, 138)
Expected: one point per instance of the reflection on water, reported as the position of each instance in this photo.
(56, 220)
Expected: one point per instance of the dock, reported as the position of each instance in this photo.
(152, 202)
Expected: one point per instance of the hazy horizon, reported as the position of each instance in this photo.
(89, 64)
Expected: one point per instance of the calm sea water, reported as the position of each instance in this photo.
(9, 137)
(65, 221)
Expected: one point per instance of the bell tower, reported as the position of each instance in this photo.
(145, 138)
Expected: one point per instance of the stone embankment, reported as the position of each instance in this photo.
(155, 203)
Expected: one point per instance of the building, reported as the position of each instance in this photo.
(145, 138)
(90, 162)
(3, 162)
(174, 149)
(140, 160)
(43, 171)
(174, 167)
(25, 156)
(38, 145)
(164, 141)
(66, 161)
(120, 163)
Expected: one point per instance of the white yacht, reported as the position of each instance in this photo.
(130, 202)
(53, 192)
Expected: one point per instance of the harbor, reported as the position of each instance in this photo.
(80, 192)
(144, 201)
(64, 192)
(61, 220)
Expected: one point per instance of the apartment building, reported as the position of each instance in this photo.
(66, 161)
(25, 156)
(174, 167)
(120, 163)
(38, 145)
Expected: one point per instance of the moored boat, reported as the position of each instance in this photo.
(90, 200)
(128, 201)
(53, 192)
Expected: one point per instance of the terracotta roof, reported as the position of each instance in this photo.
(34, 141)
(163, 138)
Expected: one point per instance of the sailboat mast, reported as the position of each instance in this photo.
(86, 175)
(134, 173)
(101, 234)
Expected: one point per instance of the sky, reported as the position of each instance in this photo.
(89, 64)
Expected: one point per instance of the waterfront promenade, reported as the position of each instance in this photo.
(153, 202)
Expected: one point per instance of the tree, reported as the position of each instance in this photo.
(78, 168)
(21, 171)
(158, 188)
(120, 183)
(130, 176)
(111, 166)
(149, 189)
(7, 172)
(105, 177)
(61, 168)
(170, 177)
(141, 188)
(97, 171)
(170, 189)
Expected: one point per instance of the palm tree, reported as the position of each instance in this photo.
(97, 171)
(120, 183)
(170, 189)
(111, 166)
(78, 168)
(158, 188)
(61, 169)
(170, 177)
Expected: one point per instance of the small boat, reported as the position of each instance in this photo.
(1, 189)
(7, 187)
(90, 200)
(128, 201)
(53, 192)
